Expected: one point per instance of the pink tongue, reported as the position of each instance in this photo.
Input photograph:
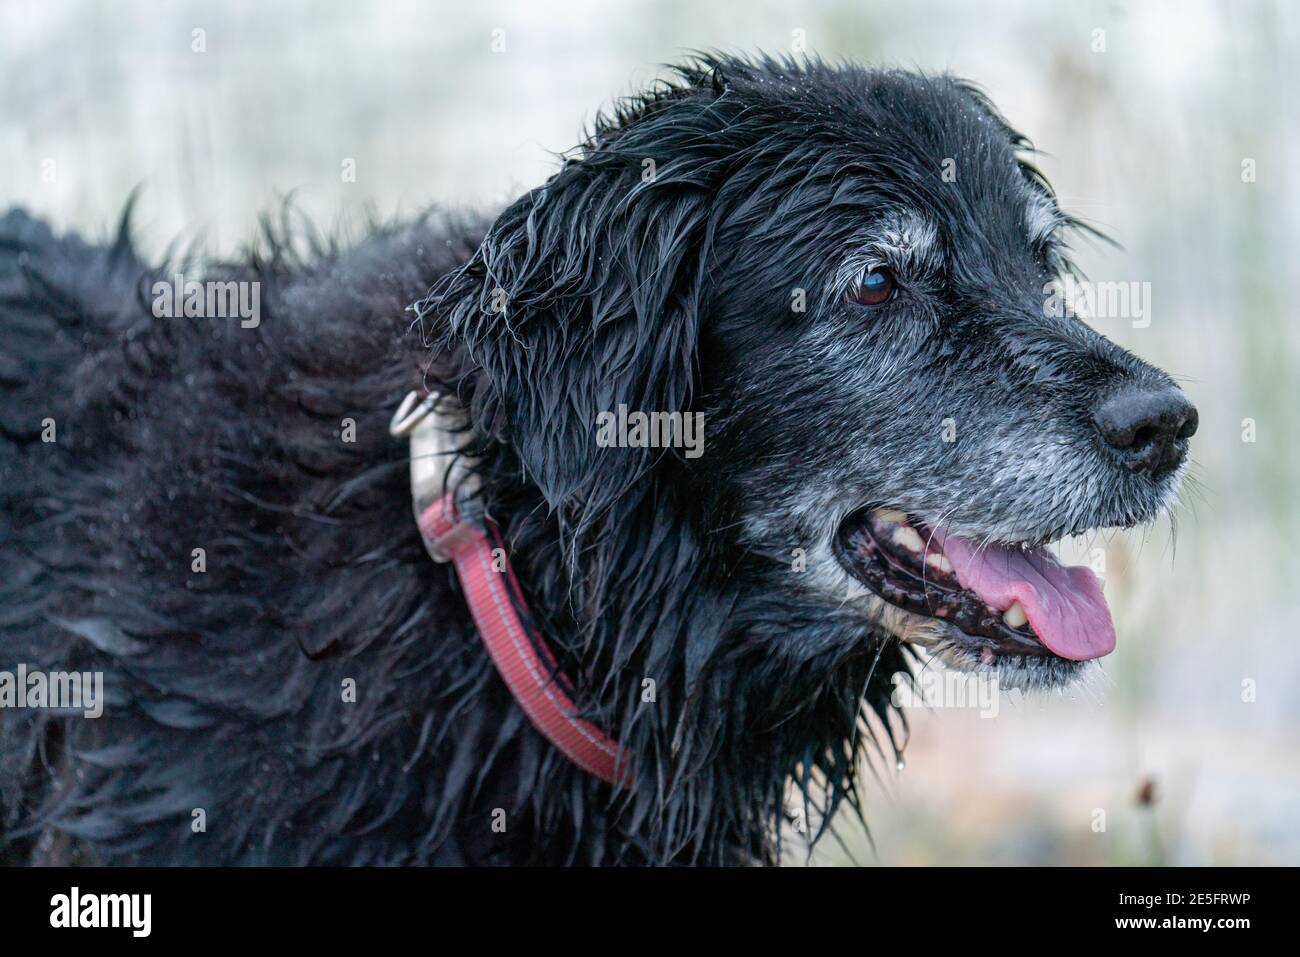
(1064, 605)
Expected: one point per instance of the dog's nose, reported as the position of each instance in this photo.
(1146, 426)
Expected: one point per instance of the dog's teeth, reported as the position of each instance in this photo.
(891, 515)
(939, 561)
(1015, 616)
(906, 537)
(987, 656)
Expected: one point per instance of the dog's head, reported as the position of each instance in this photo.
(848, 275)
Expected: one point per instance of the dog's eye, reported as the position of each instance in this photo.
(873, 287)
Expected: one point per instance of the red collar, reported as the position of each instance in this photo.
(471, 543)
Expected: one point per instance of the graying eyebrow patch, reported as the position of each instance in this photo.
(906, 242)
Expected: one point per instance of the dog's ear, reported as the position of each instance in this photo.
(584, 296)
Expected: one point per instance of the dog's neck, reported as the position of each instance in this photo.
(720, 694)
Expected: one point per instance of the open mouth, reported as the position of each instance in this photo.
(1001, 600)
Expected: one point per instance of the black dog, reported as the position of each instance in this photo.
(841, 270)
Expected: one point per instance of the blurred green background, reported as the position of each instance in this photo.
(1146, 112)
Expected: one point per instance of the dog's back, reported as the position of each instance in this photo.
(210, 512)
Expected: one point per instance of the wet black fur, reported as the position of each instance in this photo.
(225, 687)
